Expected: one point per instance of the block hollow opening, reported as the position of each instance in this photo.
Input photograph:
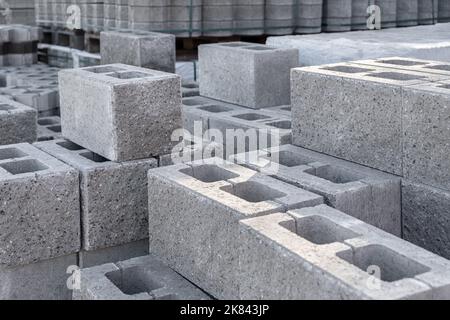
(253, 191)
(23, 166)
(133, 280)
(251, 116)
(11, 153)
(209, 173)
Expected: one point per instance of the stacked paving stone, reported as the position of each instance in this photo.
(20, 12)
(18, 44)
(387, 114)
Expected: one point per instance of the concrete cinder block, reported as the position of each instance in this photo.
(426, 222)
(125, 112)
(247, 74)
(143, 49)
(322, 253)
(212, 196)
(353, 111)
(114, 208)
(17, 122)
(49, 128)
(366, 194)
(142, 278)
(43, 280)
(40, 193)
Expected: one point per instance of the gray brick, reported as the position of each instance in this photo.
(17, 122)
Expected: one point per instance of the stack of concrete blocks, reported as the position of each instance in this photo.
(279, 17)
(217, 18)
(249, 17)
(388, 12)
(428, 12)
(59, 11)
(321, 253)
(139, 48)
(212, 196)
(92, 15)
(40, 228)
(309, 16)
(20, 12)
(17, 122)
(113, 200)
(148, 15)
(407, 13)
(142, 278)
(238, 218)
(18, 44)
(366, 194)
(359, 14)
(48, 128)
(65, 57)
(186, 18)
(121, 14)
(109, 14)
(337, 15)
(443, 11)
(251, 75)
(399, 127)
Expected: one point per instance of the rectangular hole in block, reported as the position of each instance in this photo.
(253, 191)
(11, 153)
(93, 156)
(23, 166)
(215, 108)
(335, 174)
(251, 116)
(285, 124)
(259, 48)
(443, 67)
(6, 107)
(196, 101)
(130, 75)
(395, 76)
(320, 230)
(392, 265)
(105, 69)
(47, 121)
(56, 128)
(289, 159)
(347, 69)
(69, 145)
(133, 280)
(209, 173)
(401, 62)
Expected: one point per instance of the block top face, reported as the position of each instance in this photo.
(246, 48)
(374, 74)
(441, 88)
(411, 64)
(118, 74)
(242, 190)
(8, 106)
(23, 160)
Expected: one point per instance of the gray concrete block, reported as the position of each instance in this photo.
(407, 13)
(142, 278)
(388, 13)
(114, 207)
(247, 74)
(43, 280)
(212, 196)
(17, 122)
(114, 254)
(353, 112)
(130, 112)
(143, 49)
(428, 12)
(426, 134)
(322, 253)
(359, 14)
(49, 128)
(40, 194)
(366, 194)
(426, 221)
(189, 88)
(337, 15)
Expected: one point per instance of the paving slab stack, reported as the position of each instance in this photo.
(279, 17)
(21, 12)
(407, 13)
(387, 114)
(249, 17)
(443, 11)
(388, 12)
(337, 15)
(18, 44)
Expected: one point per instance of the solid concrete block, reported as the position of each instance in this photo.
(322, 253)
(143, 49)
(426, 221)
(142, 278)
(41, 209)
(198, 238)
(366, 194)
(353, 112)
(125, 112)
(247, 74)
(17, 122)
(426, 134)
(43, 280)
(114, 208)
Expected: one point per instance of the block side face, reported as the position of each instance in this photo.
(144, 126)
(342, 118)
(425, 134)
(158, 53)
(86, 114)
(18, 127)
(119, 49)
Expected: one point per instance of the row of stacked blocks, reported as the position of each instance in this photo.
(310, 218)
(187, 18)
